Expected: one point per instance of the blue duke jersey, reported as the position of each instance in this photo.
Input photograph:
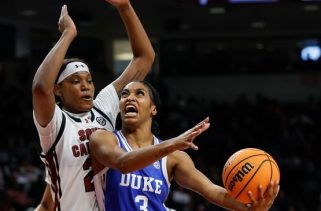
(145, 189)
(65, 145)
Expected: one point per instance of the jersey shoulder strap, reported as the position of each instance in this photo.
(61, 130)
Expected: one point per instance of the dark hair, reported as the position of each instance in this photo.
(154, 95)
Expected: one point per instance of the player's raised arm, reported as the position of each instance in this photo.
(143, 52)
(104, 148)
(43, 97)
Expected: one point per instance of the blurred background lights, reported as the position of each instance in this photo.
(311, 53)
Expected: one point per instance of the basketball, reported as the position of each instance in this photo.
(245, 170)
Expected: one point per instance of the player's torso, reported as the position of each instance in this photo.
(145, 189)
(74, 166)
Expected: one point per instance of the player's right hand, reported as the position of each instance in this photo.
(186, 139)
(65, 23)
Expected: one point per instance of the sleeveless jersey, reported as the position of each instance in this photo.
(145, 189)
(65, 145)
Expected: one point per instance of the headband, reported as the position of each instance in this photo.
(72, 68)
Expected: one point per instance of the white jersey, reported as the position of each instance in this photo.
(65, 145)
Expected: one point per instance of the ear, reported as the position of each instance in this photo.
(57, 90)
(154, 110)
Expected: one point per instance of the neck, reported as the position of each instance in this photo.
(138, 137)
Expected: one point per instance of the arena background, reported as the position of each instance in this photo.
(252, 66)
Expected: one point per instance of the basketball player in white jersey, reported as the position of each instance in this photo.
(139, 173)
(64, 130)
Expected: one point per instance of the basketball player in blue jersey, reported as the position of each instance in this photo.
(122, 153)
(64, 130)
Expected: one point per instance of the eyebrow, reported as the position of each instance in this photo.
(138, 89)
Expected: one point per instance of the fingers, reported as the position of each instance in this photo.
(253, 200)
(204, 125)
(270, 189)
(261, 194)
(64, 10)
(193, 146)
(206, 120)
(276, 189)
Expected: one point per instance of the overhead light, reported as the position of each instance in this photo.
(123, 56)
(252, 1)
(28, 12)
(217, 10)
(258, 24)
(310, 8)
(203, 2)
(311, 0)
(312, 52)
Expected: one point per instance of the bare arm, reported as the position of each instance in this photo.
(46, 203)
(183, 170)
(143, 52)
(104, 149)
(44, 80)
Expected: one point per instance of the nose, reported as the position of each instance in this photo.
(85, 86)
(130, 97)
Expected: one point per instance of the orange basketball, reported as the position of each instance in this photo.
(245, 170)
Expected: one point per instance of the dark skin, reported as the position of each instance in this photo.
(137, 111)
(76, 91)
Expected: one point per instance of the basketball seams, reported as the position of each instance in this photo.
(271, 168)
(227, 177)
(245, 169)
(252, 177)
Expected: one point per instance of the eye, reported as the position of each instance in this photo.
(124, 94)
(90, 81)
(140, 92)
(75, 81)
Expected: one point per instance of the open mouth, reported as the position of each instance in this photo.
(86, 97)
(130, 110)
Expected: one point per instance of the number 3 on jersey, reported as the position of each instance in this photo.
(143, 200)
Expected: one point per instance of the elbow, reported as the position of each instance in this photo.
(150, 58)
(147, 59)
(124, 167)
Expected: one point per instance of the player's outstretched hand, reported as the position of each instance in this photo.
(266, 199)
(65, 23)
(186, 139)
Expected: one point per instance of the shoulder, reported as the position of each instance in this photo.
(102, 134)
(178, 157)
(179, 162)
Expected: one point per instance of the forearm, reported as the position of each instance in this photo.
(219, 196)
(49, 68)
(41, 207)
(145, 156)
(46, 203)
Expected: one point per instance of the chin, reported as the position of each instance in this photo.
(86, 108)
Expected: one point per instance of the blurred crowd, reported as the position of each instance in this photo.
(290, 132)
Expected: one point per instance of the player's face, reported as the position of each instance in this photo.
(76, 92)
(136, 105)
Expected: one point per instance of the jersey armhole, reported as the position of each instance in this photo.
(61, 130)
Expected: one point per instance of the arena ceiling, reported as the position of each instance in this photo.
(173, 18)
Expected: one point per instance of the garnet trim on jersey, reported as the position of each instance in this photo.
(51, 161)
(61, 130)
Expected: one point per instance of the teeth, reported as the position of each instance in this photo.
(130, 108)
